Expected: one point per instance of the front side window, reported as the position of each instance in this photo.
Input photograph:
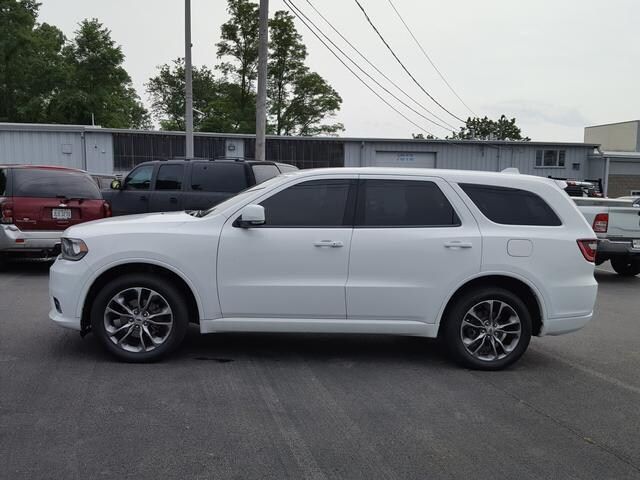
(316, 203)
(170, 177)
(511, 206)
(403, 203)
(51, 183)
(140, 178)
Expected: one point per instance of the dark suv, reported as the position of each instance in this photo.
(171, 185)
(37, 203)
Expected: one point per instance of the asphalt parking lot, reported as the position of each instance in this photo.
(251, 406)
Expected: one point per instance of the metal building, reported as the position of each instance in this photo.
(102, 150)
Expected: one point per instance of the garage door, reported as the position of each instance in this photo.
(405, 159)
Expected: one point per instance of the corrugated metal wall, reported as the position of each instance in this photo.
(477, 157)
(63, 149)
(44, 148)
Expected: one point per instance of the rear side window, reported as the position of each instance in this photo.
(50, 183)
(218, 177)
(170, 177)
(264, 172)
(403, 203)
(511, 206)
(316, 203)
(3, 182)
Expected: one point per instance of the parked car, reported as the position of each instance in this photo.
(37, 203)
(616, 222)
(173, 185)
(482, 260)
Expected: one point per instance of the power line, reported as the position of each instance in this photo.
(354, 73)
(449, 126)
(402, 64)
(368, 75)
(429, 58)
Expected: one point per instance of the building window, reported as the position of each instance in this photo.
(550, 158)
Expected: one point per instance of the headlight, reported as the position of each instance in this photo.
(73, 249)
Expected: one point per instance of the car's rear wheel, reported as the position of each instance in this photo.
(487, 329)
(625, 266)
(139, 318)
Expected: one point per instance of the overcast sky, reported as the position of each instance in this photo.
(556, 65)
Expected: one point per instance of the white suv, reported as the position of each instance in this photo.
(481, 260)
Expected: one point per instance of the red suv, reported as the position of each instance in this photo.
(37, 203)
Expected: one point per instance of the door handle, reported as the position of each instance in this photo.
(458, 244)
(143, 197)
(329, 243)
(173, 200)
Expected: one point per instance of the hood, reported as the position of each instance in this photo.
(130, 223)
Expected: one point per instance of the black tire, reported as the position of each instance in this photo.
(168, 293)
(626, 266)
(453, 333)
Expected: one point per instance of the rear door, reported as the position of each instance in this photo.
(54, 199)
(413, 242)
(213, 182)
(167, 195)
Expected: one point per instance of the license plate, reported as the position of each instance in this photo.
(636, 244)
(61, 213)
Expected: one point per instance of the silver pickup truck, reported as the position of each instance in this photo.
(616, 223)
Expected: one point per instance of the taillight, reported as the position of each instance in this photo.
(106, 209)
(588, 249)
(6, 211)
(601, 223)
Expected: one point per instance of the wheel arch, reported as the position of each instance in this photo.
(529, 294)
(114, 271)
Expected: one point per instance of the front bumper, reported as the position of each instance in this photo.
(14, 240)
(66, 282)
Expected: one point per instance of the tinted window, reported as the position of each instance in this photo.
(170, 177)
(218, 177)
(140, 178)
(265, 172)
(50, 183)
(403, 203)
(3, 182)
(316, 203)
(511, 206)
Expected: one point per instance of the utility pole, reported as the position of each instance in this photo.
(261, 101)
(188, 94)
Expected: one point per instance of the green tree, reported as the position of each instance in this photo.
(239, 47)
(166, 92)
(97, 83)
(487, 129)
(420, 136)
(31, 63)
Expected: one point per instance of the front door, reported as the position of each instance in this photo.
(413, 242)
(135, 193)
(296, 265)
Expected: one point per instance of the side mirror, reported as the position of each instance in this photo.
(251, 216)
(116, 185)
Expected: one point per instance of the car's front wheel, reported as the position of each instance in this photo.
(139, 317)
(625, 266)
(487, 328)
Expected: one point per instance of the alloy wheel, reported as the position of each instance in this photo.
(138, 319)
(490, 330)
